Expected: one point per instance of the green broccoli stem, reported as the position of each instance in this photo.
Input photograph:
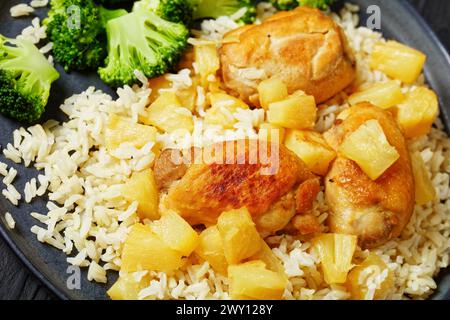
(214, 9)
(130, 38)
(108, 14)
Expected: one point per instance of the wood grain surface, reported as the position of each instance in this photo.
(16, 282)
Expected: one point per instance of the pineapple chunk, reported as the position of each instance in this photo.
(418, 112)
(370, 149)
(144, 250)
(270, 91)
(398, 61)
(253, 281)
(312, 148)
(223, 107)
(168, 115)
(343, 115)
(240, 238)
(211, 249)
(384, 95)
(207, 60)
(372, 266)
(142, 188)
(120, 130)
(425, 191)
(271, 132)
(127, 287)
(296, 112)
(335, 252)
(157, 84)
(266, 255)
(188, 97)
(222, 99)
(176, 232)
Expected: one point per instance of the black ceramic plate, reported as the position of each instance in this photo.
(399, 21)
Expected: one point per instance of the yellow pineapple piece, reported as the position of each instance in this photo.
(370, 149)
(312, 148)
(425, 191)
(122, 131)
(272, 90)
(271, 132)
(207, 60)
(142, 188)
(298, 111)
(343, 115)
(253, 281)
(266, 255)
(168, 115)
(418, 112)
(157, 84)
(384, 95)
(175, 232)
(398, 61)
(335, 252)
(373, 266)
(144, 250)
(127, 287)
(240, 238)
(188, 97)
(223, 107)
(215, 87)
(211, 249)
(219, 99)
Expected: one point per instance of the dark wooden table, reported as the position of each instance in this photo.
(16, 282)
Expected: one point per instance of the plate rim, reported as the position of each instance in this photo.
(61, 294)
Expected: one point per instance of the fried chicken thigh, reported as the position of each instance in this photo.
(304, 48)
(375, 211)
(264, 187)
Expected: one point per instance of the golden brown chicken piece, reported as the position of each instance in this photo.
(375, 211)
(306, 194)
(277, 217)
(306, 224)
(207, 190)
(304, 48)
(166, 171)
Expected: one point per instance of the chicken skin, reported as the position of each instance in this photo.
(166, 171)
(375, 211)
(304, 48)
(264, 187)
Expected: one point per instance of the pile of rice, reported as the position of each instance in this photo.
(88, 219)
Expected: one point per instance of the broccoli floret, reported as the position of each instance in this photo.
(216, 8)
(320, 4)
(142, 41)
(76, 28)
(113, 2)
(179, 11)
(291, 4)
(285, 4)
(25, 80)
